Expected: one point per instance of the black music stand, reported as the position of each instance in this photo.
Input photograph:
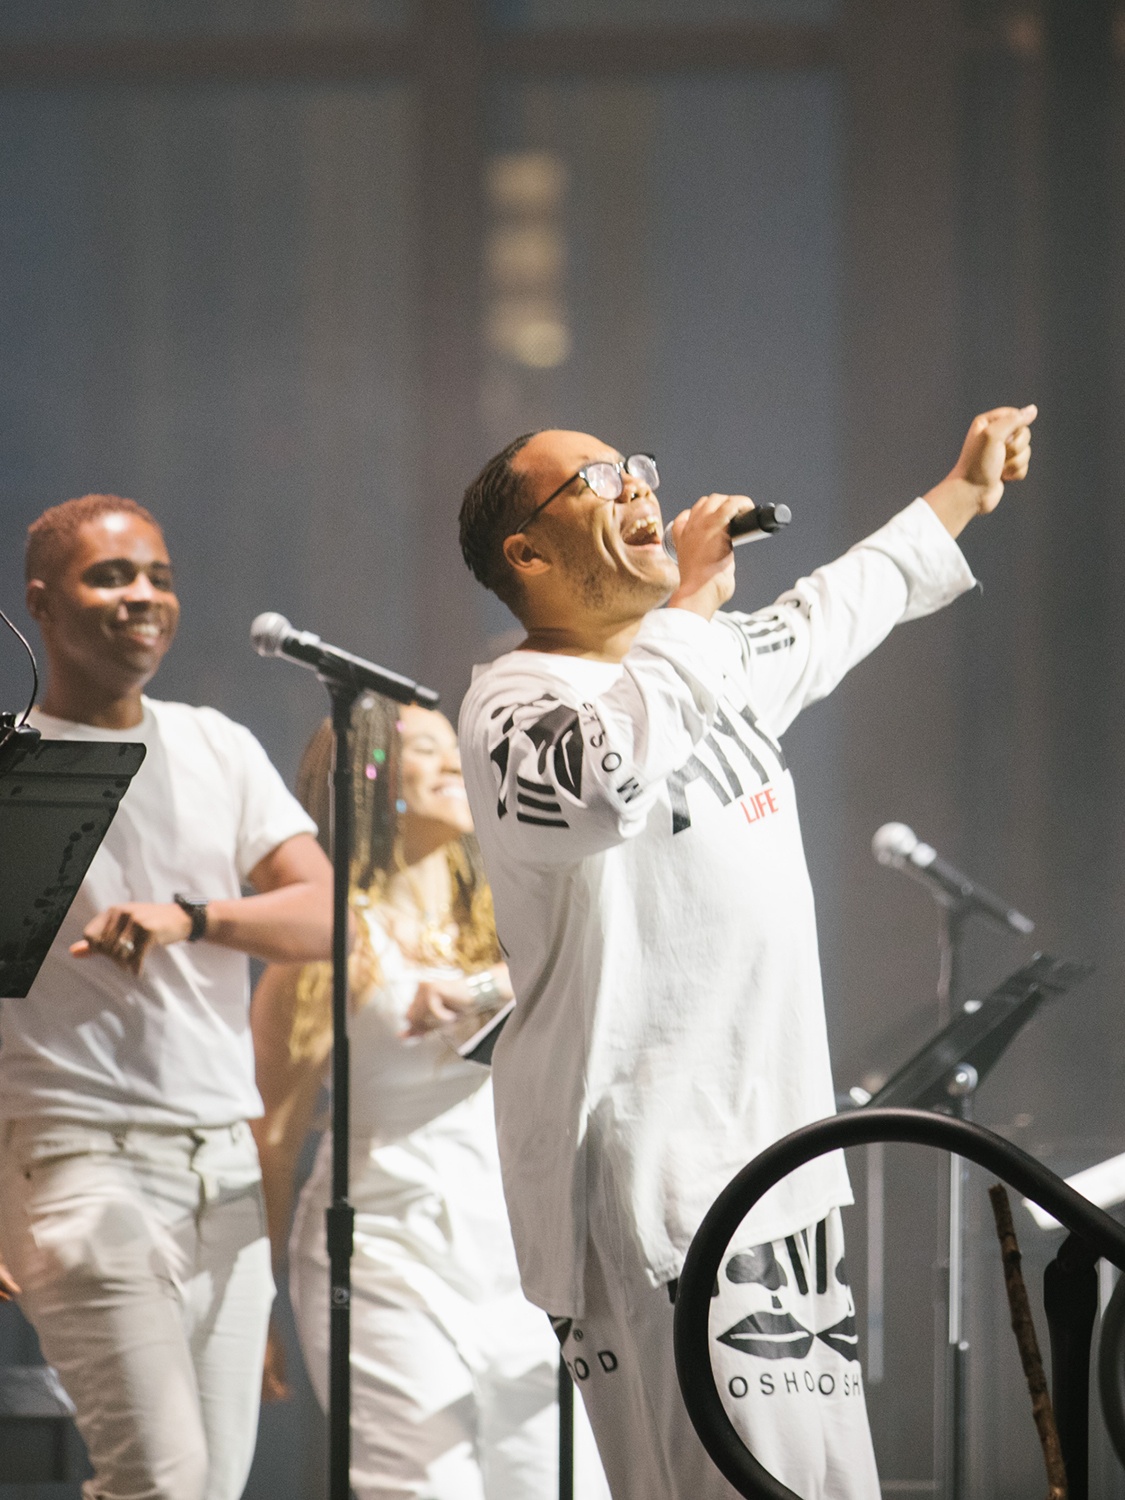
(57, 800)
(978, 1036)
(945, 1074)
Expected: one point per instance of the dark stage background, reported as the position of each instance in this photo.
(288, 270)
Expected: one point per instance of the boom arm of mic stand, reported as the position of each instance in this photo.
(340, 672)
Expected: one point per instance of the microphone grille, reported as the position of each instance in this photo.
(894, 843)
(268, 633)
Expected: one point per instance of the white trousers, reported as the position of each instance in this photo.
(452, 1398)
(783, 1350)
(145, 1270)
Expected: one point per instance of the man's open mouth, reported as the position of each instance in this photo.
(641, 533)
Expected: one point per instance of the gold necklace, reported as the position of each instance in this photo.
(434, 941)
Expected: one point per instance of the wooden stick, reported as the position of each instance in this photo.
(1024, 1329)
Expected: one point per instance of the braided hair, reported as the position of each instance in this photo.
(376, 747)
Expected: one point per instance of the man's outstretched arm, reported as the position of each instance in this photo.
(799, 649)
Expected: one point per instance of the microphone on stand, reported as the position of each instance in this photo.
(272, 635)
(900, 847)
(748, 526)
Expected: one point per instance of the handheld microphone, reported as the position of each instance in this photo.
(748, 526)
(899, 846)
(272, 635)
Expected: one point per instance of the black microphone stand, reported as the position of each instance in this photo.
(343, 689)
(953, 1385)
(340, 1215)
(944, 1074)
(951, 1397)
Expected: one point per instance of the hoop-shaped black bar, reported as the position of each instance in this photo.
(863, 1127)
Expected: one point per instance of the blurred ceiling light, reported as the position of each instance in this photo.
(1024, 34)
(525, 259)
(527, 182)
(525, 256)
(530, 331)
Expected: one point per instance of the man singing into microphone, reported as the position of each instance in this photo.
(640, 831)
(130, 1206)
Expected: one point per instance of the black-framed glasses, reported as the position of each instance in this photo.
(606, 479)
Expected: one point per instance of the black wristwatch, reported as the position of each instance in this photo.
(196, 908)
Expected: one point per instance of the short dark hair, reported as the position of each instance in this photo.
(494, 505)
(50, 538)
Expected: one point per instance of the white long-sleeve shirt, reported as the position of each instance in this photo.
(639, 827)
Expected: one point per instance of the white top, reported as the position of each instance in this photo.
(640, 831)
(1103, 1184)
(424, 1169)
(172, 1047)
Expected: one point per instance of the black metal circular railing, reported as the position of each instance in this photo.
(1103, 1235)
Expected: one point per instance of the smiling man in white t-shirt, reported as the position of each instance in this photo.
(130, 1208)
(639, 827)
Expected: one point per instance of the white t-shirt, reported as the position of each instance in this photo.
(639, 827)
(425, 1175)
(172, 1047)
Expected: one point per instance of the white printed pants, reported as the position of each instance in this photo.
(145, 1271)
(783, 1349)
(452, 1398)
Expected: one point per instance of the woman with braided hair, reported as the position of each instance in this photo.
(453, 1372)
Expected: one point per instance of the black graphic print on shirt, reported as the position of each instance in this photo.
(554, 732)
(735, 759)
(778, 1289)
(764, 635)
(734, 750)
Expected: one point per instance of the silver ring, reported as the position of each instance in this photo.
(127, 946)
